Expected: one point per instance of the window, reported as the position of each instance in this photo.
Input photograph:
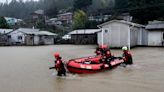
(106, 30)
(19, 37)
(9, 36)
(31, 38)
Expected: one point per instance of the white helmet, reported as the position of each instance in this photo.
(124, 48)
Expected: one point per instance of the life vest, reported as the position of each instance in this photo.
(59, 65)
(108, 54)
(127, 56)
(98, 52)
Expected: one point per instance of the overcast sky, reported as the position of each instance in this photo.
(10, 0)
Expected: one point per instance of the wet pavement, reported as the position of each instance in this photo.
(25, 69)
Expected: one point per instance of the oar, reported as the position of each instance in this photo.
(52, 67)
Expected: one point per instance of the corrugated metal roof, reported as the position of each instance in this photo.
(155, 25)
(41, 12)
(68, 13)
(5, 31)
(121, 21)
(35, 32)
(27, 30)
(84, 31)
(47, 33)
(41, 33)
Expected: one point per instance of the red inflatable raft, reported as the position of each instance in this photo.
(90, 64)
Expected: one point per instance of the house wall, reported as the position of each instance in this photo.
(84, 38)
(36, 40)
(134, 36)
(29, 40)
(139, 36)
(144, 37)
(3, 40)
(48, 40)
(115, 35)
(155, 38)
(14, 37)
(99, 38)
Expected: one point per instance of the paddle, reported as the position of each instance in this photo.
(52, 67)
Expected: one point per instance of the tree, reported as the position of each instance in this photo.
(81, 4)
(79, 20)
(141, 10)
(3, 23)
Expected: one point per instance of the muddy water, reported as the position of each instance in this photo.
(25, 69)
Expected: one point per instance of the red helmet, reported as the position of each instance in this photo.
(103, 46)
(56, 55)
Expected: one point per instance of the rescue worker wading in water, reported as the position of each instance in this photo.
(127, 57)
(59, 65)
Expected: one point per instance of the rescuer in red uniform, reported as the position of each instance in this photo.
(59, 65)
(108, 56)
(101, 50)
(127, 56)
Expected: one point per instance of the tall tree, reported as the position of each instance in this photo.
(79, 19)
(142, 10)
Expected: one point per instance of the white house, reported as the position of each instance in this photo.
(155, 33)
(53, 21)
(118, 33)
(18, 36)
(27, 36)
(12, 21)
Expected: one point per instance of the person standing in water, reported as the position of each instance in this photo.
(59, 65)
(127, 56)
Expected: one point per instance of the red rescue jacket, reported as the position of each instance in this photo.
(59, 65)
(127, 56)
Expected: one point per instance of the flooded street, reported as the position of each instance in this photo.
(26, 69)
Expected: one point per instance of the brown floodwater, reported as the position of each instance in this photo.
(25, 69)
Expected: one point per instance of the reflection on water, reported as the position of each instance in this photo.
(25, 69)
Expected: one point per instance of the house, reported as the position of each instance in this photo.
(118, 33)
(39, 38)
(27, 36)
(53, 21)
(155, 33)
(20, 36)
(84, 36)
(12, 21)
(125, 16)
(65, 18)
(99, 18)
(3, 36)
(47, 38)
(38, 14)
